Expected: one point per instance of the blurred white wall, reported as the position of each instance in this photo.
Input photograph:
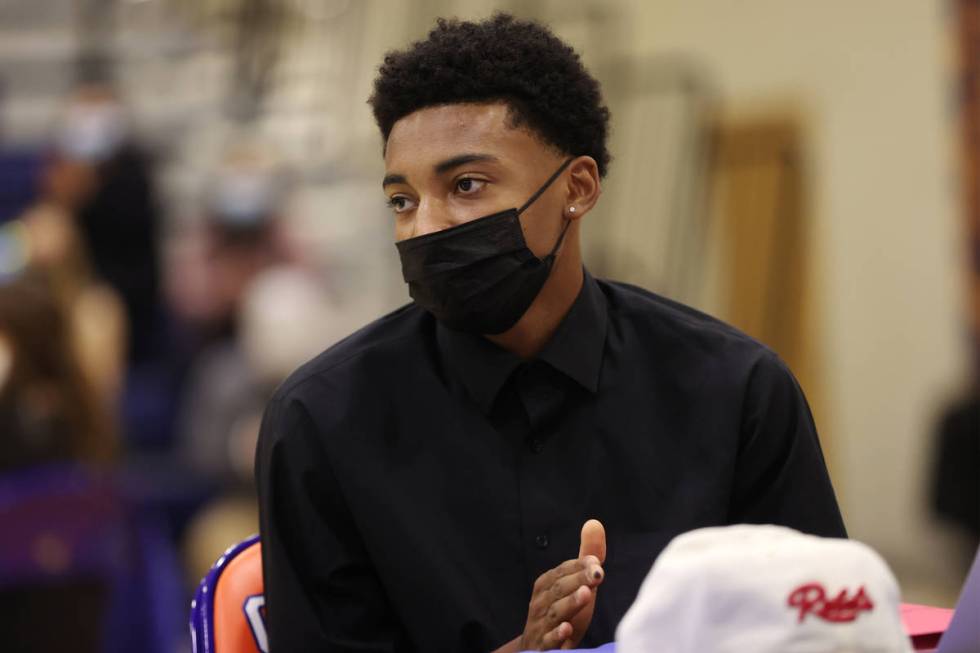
(874, 80)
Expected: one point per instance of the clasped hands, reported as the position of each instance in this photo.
(563, 598)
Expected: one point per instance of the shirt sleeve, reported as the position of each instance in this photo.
(780, 474)
(322, 591)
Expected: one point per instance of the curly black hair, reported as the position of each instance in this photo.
(522, 63)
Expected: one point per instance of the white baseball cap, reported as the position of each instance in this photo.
(765, 589)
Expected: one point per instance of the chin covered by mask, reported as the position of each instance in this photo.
(480, 276)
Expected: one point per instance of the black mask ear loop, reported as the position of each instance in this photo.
(549, 259)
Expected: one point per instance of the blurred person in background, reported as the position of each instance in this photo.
(46, 240)
(240, 234)
(240, 287)
(228, 391)
(115, 206)
(92, 230)
(103, 579)
(48, 411)
(49, 416)
(108, 178)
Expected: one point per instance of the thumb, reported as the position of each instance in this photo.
(593, 540)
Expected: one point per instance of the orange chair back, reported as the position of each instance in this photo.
(228, 613)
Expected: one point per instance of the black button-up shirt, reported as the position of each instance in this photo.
(415, 481)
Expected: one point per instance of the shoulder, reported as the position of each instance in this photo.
(390, 343)
(703, 355)
(693, 348)
(671, 331)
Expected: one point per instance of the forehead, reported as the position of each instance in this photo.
(440, 132)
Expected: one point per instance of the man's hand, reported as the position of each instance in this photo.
(564, 597)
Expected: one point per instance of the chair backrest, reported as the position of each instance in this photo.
(228, 611)
(59, 522)
(65, 543)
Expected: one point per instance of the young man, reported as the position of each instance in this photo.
(432, 483)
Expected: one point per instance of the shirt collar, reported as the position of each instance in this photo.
(575, 349)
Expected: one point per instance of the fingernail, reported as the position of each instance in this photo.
(596, 573)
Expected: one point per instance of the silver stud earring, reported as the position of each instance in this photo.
(571, 209)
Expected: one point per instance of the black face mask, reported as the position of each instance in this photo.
(480, 276)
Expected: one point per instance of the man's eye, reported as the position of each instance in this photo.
(468, 185)
(400, 204)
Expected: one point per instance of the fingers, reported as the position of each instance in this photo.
(564, 579)
(547, 579)
(559, 614)
(566, 608)
(593, 540)
(565, 598)
(557, 636)
(590, 575)
(559, 601)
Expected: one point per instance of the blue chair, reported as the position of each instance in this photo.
(64, 541)
(73, 554)
(228, 611)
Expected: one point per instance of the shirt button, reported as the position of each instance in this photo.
(541, 541)
(535, 445)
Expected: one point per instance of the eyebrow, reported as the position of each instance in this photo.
(462, 159)
(393, 179)
(443, 166)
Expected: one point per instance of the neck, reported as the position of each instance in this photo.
(535, 328)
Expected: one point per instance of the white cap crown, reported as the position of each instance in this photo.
(765, 589)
